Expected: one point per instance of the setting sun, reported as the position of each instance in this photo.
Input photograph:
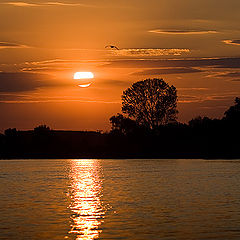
(83, 75)
(85, 85)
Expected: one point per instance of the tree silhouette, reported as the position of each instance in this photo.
(11, 132)
(122, 125)
(151, 102)
(42, 129)
(233, 113)
(200, 122)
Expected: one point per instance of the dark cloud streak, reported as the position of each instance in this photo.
(21, 82)
(185, 63)
(181, 31)
(11, 45)
(232, 42)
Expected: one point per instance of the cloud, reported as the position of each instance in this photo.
(66, 4)
(44, 69)
(167, 71)
(29, 4)
(189, 99)
(235, 80)
(52, 62)
(20, 82)
(22, 4)
(229, 74)
(232, 42)
(215, 97)
(29, 98)
(207, 98)
(168, 63)
(150, 52)
(59, 65)
(176, 31)
(114, 82)
(11, 45)
(57, 101)
(60, 62)
(193, 89)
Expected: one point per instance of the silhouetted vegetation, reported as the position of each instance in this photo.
(151, 102)
(163, 137)
(202, 137)
(123, 125)
(233, 113)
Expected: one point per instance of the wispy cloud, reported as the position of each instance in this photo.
(59, 65)
(151, 52)
(232, 42)
(232, 76)
(30, 98)
(229, 74)
(181, 31)
(235, 80)
(67, 4)
(188, 98)
(167, 71)
(114, 82)
(52, 62)
(11, 45)
(44, 69)
(30, 4)
(21, 4)
(193, 89)
(59, 101)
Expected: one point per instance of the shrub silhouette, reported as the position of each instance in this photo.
(122, 125)
(10, 132)
(42, 129)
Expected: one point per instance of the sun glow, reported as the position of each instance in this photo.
(83, 75)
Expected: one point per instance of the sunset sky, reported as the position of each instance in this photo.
(194, 45)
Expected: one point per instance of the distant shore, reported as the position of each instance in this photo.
(43, 157)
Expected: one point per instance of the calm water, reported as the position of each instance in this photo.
(119, 199)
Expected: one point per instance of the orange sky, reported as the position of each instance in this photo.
(193, 45)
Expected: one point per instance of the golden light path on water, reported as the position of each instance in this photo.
(86, 207)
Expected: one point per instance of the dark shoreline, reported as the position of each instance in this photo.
(115, 157)
(201, 139)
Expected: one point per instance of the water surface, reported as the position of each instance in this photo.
(119, 199)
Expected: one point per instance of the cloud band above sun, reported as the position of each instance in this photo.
(132, 52)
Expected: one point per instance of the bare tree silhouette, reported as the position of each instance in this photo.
(151, 102)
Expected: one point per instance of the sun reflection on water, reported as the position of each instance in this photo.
(87, 211)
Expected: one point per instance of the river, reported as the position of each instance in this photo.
(119, 199)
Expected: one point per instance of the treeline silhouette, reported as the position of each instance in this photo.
(202, 137)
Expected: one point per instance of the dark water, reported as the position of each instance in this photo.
(119, 199)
